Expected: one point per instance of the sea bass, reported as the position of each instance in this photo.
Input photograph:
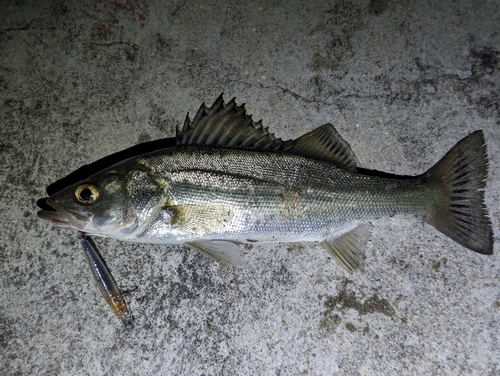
(228, 181)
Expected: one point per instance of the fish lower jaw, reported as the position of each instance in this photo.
(57, 219)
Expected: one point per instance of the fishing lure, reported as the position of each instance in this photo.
(105, 281)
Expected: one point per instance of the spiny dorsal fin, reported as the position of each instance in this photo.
(324, 143)
(226, 125)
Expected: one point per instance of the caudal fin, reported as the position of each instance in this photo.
(462, 214)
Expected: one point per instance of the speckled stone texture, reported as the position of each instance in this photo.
(401, 81)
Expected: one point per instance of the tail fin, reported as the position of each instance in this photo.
(462, 215)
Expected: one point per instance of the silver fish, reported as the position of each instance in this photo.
(229, 181)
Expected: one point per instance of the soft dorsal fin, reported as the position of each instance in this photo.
(228, 125)
(324, 143)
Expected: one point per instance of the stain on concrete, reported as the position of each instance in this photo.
(143, 137)
(401, 263)
(436, 265)
(329, 322)
(345, 300)
(350, 327)
(354, 329)
(485, 60)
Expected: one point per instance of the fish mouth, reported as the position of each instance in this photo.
(60, 216)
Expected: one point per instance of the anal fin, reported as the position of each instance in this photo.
(221, 251)
(349, 249)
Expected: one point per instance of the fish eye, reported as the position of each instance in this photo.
(87, 193)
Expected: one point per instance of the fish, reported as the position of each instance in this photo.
(105, 282)
(227, 181)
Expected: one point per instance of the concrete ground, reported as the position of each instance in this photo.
(401, 81)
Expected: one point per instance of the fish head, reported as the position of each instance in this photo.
(112, 203)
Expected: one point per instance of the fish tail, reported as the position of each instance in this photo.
(460, 212)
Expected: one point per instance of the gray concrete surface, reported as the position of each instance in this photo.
(402, 82)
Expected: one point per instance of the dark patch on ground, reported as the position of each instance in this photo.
(353, 328)
(401, 263)
(6, 332)
(377, 6)
(282, 276)
(350, 327)
(485, 60)
(143, 137)
(437, 264)
(495, 304)
(480, 91)
(329, 322)
(345, 300)
(191, 281)
(163, 46)
(348, 300)
(59, 9)
(486, 104)
(131, 52)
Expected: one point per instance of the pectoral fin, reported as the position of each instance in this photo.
(349, 249)
(221, 251)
